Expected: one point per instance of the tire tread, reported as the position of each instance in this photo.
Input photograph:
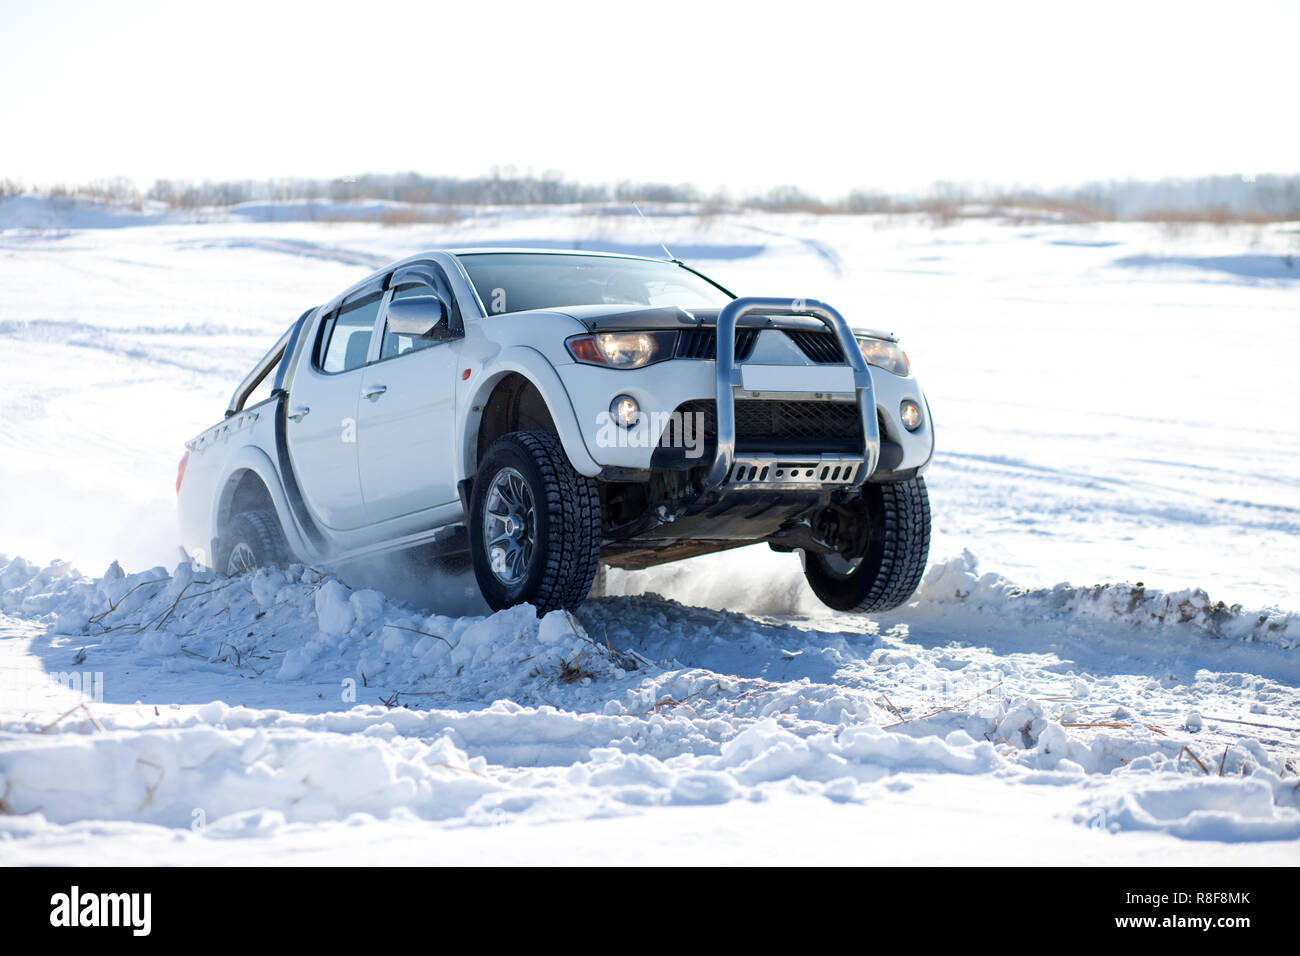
(904, 522)
(571, 502)
(263, 526)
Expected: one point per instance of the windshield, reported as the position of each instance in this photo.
(518, 281)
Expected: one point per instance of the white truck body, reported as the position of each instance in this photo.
(358, 452)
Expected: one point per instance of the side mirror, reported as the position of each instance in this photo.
(417, 315)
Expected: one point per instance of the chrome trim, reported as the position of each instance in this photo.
(729, 378)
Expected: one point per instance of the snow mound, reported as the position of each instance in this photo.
(632, 702)
(1214, 808)
(303, 623)
(220, 767)
(166, 776)
(958, 581)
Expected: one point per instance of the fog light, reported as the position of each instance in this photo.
(910, 413)
(625, 411)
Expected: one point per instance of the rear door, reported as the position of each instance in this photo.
(406, 418)
(321, 430)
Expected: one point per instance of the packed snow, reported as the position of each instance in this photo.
(1110, 414)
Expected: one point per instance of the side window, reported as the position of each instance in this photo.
(345, 336)
(395, 344)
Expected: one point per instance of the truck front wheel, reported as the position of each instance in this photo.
(889, 560)
(534, 525)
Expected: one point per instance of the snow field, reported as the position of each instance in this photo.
(563, 725)
(1113, 404)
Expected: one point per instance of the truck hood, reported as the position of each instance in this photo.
(614, 318)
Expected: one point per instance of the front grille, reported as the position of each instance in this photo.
(703, 343)
(794, 426)
(706, 407)
(796, 420)
(822, 347)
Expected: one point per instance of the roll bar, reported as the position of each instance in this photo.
(259, 372)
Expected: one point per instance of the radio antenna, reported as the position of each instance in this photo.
(662, 244)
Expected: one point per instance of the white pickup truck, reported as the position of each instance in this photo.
(536, 413)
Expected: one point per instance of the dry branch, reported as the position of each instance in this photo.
(413, 630)
(1188, 750)
(1251, 723)
(897, 713)
(113, 604)
(150, 791)
(950, 706)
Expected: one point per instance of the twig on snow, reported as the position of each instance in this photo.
(113, 604)
(1251, 723)
(66, 713)
(950, 706)
(668, 703)
(1188, 750)
(417, 631)
(458, 769)
(157, 783)
(786, 710)
(91, 717)
(897, 713)
(8, 808)
(239, 657)
(157, 622)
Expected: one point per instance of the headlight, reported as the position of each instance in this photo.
(886, 355)
(622, 349)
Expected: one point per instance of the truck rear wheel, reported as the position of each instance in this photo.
(887, 571)
(534, 525)
(255, 540)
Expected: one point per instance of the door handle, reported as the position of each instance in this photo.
(299, 413)
(374, 391)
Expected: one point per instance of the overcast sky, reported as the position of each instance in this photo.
(746, 95)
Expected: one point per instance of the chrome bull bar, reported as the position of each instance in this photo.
(730, 381)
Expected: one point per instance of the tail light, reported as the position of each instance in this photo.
(180, 471)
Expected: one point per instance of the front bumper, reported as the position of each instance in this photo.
(782, 469)
(882, 448)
